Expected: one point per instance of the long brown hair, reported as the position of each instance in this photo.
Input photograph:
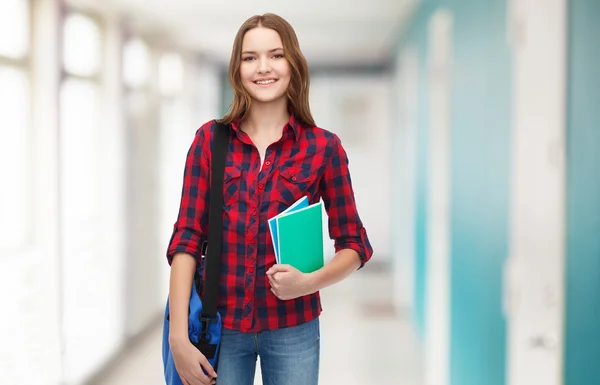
(297, 93)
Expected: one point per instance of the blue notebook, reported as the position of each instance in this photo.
(299, 204)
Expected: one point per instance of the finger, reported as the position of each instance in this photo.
(277, 279)
(196, 376)
(278, 268)
(279, 276)
(276, 292)
(200, 378)
(208, 381)
(208, 367)
(190, 379)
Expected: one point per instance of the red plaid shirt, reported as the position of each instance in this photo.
(305, 161)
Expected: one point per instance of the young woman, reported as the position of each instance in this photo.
(276, 155)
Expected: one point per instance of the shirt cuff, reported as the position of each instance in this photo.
(181, 242)
(362, 247)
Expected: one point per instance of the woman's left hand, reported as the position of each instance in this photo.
(287, 282)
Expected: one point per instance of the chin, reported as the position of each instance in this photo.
(267, 98)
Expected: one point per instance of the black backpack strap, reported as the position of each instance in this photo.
(215, 221)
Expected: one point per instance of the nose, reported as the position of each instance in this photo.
(264, 66)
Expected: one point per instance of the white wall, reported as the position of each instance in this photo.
(404, 178)
(29, 271)
(534, 285)
(357, 108)
(73, 292)
(91, 216)
(437, 327)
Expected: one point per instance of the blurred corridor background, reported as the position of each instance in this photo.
(472, 129)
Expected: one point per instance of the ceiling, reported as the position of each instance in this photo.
(339, 33)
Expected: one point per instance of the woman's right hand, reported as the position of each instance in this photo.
(189, 363)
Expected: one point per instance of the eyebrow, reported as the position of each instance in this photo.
(271, 50)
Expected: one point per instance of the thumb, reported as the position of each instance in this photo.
(278, 268)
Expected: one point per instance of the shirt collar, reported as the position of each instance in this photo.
(296, 127)
(292, 123)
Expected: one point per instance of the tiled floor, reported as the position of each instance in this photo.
(361, 341)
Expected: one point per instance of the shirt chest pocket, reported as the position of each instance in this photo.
(231, 185)
(294, 183)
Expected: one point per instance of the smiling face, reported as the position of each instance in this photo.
(267, 66)
(264, 70)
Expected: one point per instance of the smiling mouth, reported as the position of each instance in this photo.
(265, 82)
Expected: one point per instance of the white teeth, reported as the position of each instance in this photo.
(263, 82)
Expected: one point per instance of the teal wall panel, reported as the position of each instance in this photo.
(481, 125)
(421, 209)
(582, 350)
(416, 37)
(226, 92)
(480, 164)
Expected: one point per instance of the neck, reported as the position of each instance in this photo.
(267, 118)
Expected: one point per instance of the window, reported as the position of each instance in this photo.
(136, 64)
(170, 72)
(78, 127)
(78, 101)
(15, 169)
(81, 204)
(15, 130)
(81, 52)
(14, 29)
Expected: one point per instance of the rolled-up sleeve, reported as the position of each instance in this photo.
(190, 229)
(345, 225)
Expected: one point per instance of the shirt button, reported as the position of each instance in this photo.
(293, 178)
(268, 162)
(261, 186)
(254, 213)
(252, 242)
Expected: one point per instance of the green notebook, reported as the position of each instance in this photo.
(300, 238)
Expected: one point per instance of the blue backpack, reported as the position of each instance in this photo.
(204, 322)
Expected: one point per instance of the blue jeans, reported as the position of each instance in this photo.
(288, 356)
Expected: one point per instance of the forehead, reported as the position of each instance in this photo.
(261, 39)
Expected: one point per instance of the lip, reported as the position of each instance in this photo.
(265, 85)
